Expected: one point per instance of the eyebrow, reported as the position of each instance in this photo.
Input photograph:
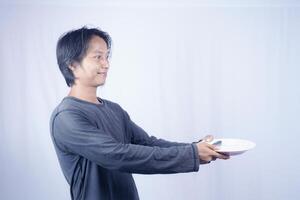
(97, 51)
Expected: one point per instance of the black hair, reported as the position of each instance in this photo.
(72, 47)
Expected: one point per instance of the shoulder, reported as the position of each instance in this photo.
(117, 108)
(113, 105)
(67, 109)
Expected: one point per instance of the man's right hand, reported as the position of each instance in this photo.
(207, 152)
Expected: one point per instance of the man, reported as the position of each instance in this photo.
(97, 144)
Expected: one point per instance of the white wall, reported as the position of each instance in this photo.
(181, 69)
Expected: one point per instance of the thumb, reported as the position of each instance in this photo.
(208, 138)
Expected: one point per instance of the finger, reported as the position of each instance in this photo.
(207, 158)
(225, 154)
(213, 153)
(208, 138)
(212, 147)
(204, 162)
(220, 156)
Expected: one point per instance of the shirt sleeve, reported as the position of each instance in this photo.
(139, 136)
(75, 134)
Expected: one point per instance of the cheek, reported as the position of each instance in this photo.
(91, 71)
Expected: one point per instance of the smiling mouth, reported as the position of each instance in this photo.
(103, 73)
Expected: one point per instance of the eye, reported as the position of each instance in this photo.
(98, 57)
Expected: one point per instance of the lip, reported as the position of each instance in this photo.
(104, 73)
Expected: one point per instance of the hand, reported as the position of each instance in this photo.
(207, 152)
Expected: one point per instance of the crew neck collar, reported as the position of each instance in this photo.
(101, 101)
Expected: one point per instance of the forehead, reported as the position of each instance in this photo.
(97, 44)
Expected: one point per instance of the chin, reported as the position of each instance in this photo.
(100, 84)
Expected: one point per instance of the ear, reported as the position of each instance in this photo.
(73, 66)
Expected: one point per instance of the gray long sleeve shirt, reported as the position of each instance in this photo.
(99, 147)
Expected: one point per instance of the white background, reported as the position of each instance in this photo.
(181, 69)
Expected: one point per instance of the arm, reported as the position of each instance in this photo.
(73, 133)
(139, 136)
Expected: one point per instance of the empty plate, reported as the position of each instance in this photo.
(232, 146)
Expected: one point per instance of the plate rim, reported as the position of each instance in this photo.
(234, 151)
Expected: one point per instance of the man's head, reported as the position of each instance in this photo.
(82, 56)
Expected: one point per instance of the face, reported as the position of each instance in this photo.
(92, 70)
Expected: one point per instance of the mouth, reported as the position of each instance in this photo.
(102, 73)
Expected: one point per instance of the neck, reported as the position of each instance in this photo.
(85, 93)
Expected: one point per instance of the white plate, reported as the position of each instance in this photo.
(233, 146)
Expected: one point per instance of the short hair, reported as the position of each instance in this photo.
(72, 47)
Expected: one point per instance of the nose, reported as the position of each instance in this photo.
(105, 63)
